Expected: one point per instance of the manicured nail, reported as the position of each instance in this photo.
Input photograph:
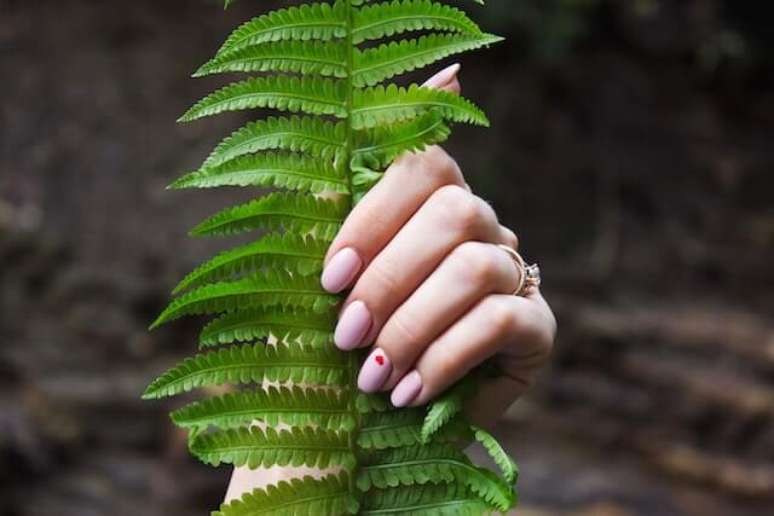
(341, 270)
(407, 390)
(353, 326)
(443, 77)
(375, 371)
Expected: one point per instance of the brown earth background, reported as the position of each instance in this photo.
(632, 149)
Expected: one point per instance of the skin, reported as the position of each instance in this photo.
(426, 268)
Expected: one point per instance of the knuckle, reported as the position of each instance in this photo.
(503, 319)
(463, 210)
(478, 263)
(511, 238)
(401, 338)
(446, 367)
(380, 279)
(441, 167)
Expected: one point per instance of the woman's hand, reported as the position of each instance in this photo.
(432, 292)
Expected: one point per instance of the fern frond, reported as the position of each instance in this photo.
(318, 138)
(380, 105)
(499, 455)
(393, 429)
(293, 212)
(304, 57)
(254, 448)
(435, 464)
(381, 145)
(286, 324)
(291, 406)
(395, 17)
(322, 61)
(307, 496)
(446, 407)
(290, 171)
(367, 403)
(374, 65)
(427, 500)
(399, 428)
(251, 364)
(310, 95)
(317, 21)
(270, 288)
(303, 255)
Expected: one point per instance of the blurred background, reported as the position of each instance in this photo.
(632, 149)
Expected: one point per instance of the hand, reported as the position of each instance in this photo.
(432, 291)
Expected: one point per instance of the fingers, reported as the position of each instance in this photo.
(450, 217)
(406, 185)
(476, 270)
(383, 211)
(447, 79)
(509, 238)
(523, 328)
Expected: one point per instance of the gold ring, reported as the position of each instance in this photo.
(529, 275)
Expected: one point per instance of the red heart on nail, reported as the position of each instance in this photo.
(379, 359)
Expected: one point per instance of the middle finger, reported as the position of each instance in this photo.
(451, 216)
(476, 270)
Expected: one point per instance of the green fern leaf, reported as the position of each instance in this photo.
(295, 213)
(304, 57)
(260, 290)
(381, 145)
(288, 325)
(395, 17)
(318, 138)
(291, 171)
(394, 429)
(254, 448)
(271, 314)
(251, 364)
(446, 407)
(380, 105)
(310, 95)
(318, 21)
(428, 500)
(499, 455)
(290, 406)
(399, 428)
(307, 496)
(303, 255)
(367, 403)
(435, 464)
(374, 65)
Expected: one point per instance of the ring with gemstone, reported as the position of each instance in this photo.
(529, 275)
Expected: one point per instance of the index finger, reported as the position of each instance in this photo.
(406, 185)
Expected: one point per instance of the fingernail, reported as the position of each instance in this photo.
(443, 77)
(353, 326)
(341, 270)
(375, 371)
(407, 390)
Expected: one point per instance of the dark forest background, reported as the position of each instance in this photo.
(632, 149)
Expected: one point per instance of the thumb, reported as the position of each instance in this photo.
(447, 79)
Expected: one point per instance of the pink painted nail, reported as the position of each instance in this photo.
(443, 77)
(375, 371)
(407, 390)
(353, 326)
(341, 270)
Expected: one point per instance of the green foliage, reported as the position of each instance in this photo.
(308, 496)
(292, 398)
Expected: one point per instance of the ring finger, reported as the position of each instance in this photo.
(476, 269)
(452, 216)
